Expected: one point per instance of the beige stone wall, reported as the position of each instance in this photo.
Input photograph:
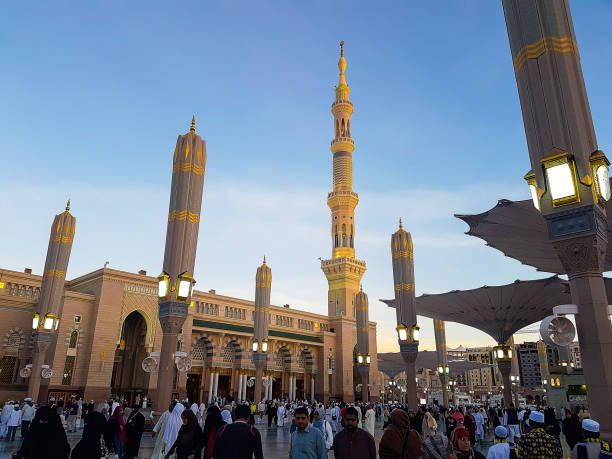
(104, 298)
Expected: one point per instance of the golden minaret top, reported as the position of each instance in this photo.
(192, 128)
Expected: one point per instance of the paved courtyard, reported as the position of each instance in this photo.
(275, 442)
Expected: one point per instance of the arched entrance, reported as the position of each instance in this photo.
(283, 360)
(129, 379)
(201, 354)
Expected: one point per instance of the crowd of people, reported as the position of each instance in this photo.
(228, 430)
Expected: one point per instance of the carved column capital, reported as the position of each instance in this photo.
(582, 255)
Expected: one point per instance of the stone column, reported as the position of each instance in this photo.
(239, 392)
(364, 371)
(559, 131)
(172, 316)
(211, 386)
(403, 278)
(505, 368)
(261, 317)
(176, 280)
(42, 342)
(259, 367)
(312, 387)
(216, 394)
(50, 303)
(440, 335)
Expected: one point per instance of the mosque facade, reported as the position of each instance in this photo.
(109, 324)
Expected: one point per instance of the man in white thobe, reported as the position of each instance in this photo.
(370, 420)
(159, 430)
(4, 418)
(280, 415)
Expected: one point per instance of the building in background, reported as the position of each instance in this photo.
(575, 356)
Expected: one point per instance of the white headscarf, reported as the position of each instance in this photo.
(226, 416)
(194, 408)
(174, 424)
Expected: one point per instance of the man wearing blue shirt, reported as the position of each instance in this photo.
(307, 441)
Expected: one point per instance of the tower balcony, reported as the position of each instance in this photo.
(342, 106)
(342, 144)
(343, 267)
(342, 198)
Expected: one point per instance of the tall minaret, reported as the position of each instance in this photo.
(343, 271)
(50, 304)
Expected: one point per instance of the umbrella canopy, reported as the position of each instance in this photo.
(518, 230)
(392, 363)
(499, 311)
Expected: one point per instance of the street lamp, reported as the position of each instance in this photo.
(402, 333)
(163, 286)
(50, 322)
(600, 167)
(185, 284)
(35, 321)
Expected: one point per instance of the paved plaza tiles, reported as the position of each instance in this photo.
(275, 442)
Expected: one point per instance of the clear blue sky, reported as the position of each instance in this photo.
(94, 94)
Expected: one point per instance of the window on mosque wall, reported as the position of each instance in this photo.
(228, 354)
(68, 370)
(13, 342)
(197, 351)
(7, 369)
(74, 336)
(300, 360)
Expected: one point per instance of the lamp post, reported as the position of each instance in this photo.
(407, 328)
(569, 176)
(175, 283)
(363, 342)
(452, 382)
(443, 370)
(45, 322)
(261, 316)
(503, 354)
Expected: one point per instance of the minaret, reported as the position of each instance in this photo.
(363, 342)
(46, 320)
(261, 317)
(343, 271)
(176, 280)
(408, 330)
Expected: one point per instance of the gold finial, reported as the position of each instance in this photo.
(264, 260)
(68, 206)
(342, 48)
(361, 288)
(192, 128)
(401, 227)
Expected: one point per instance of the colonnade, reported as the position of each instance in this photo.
(242, 386)
(242, 379)
(213, 385)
